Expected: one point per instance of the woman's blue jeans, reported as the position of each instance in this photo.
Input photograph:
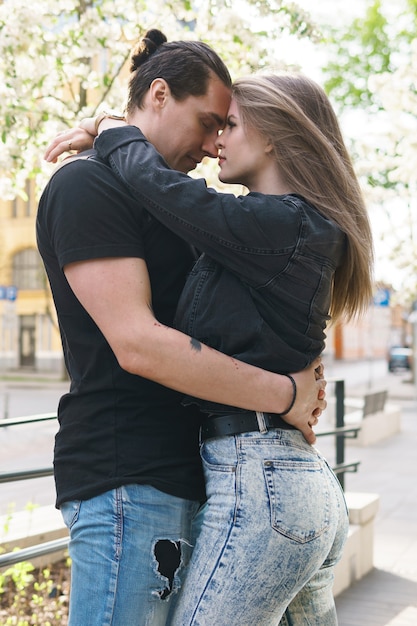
(272, 531)
(128, 548)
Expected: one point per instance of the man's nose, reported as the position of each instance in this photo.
(211, 145)
(210, 149)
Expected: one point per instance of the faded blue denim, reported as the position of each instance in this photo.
(119, 576)
(272, 531)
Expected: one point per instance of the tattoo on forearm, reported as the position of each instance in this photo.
(195, 344)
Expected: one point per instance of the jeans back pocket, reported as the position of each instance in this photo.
(299, 498)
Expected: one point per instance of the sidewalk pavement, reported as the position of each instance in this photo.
(387, 596)
(29, 377)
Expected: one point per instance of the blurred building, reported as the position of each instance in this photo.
(29, 336)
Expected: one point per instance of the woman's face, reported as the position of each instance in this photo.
(244, 155)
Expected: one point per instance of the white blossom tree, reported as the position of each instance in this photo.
(61, 60)
(373, 76)
(388, 159)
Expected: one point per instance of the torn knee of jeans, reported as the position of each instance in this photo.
(168, 558)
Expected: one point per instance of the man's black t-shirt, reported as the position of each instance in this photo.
(114, 428)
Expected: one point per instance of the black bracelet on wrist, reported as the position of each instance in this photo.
(294, 394)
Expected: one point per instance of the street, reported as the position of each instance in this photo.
(365, 372)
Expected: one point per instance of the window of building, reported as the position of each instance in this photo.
(28, 272)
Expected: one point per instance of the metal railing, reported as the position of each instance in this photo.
(32, 552)
(8, 477)
(340, 432)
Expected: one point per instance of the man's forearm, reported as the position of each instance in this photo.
(186, 365)
(180, 362)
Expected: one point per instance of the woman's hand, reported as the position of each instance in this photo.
(75, 139)
(81, 137)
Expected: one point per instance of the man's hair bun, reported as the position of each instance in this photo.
(148, 44)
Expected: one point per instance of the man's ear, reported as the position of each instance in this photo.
(159, 92)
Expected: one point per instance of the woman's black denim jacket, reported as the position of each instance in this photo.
(261, 289)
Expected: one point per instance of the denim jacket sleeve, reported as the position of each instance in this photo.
(252, 235)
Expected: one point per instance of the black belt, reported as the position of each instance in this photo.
(240, 423)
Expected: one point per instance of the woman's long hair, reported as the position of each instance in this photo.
(295, 115)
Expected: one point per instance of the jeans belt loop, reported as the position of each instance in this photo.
(261, 422)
